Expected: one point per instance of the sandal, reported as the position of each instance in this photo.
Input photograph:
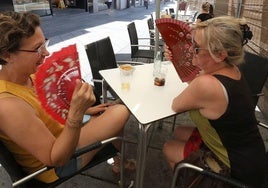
(130, 164)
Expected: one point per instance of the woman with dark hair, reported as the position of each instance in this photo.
(204, 15)
(31, 135)
(211, 10)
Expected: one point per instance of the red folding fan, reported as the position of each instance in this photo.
(177, 35)
(55, 82)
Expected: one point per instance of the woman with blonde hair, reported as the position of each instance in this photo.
(220, 105)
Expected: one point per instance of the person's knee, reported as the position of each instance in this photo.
(179, 131)
(165, 146)
(173, 151)
(183, 133)
(119, 112)
(122, 109)
(167, 150)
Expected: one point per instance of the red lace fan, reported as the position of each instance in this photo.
(55, 82)
(177, 35)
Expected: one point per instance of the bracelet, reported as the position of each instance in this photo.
(77, 124)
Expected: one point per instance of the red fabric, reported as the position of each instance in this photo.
(194, 143)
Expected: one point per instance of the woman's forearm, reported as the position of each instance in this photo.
(66, 144)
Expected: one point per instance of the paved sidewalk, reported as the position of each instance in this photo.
(70, 26)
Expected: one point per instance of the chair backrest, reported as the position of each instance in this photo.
(101, 56)
(152, 17)
(150, 23)
(15, 171)
(171, 11)
(195, 16)
(255, 70)
(10, 165)
(167, 13)
(133, 36)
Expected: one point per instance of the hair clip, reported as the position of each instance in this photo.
(247, 34)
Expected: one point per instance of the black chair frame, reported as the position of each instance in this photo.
(21, 180)
(101, 56)
(139, 51)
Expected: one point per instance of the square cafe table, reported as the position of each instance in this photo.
(147, 103)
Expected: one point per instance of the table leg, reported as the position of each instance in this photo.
(141, 154)
(104, 91)
(122, 168)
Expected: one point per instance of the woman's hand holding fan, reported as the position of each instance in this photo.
(83, 97)
(177, 36)
(168, 54)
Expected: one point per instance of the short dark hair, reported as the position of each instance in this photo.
(14, 27)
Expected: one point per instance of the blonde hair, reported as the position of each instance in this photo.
(205, 6)
(227, 34)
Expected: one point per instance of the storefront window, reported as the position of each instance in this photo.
(41, 7)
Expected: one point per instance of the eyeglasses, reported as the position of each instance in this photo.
(40, 49)
(195, 47)
(196, 50)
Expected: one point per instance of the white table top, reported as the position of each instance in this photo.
(147, 102)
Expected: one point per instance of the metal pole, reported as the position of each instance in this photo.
(239, 9)
(157, 15)
(177, 9)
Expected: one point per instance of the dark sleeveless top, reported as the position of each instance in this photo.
(239, 133)
(204, 16)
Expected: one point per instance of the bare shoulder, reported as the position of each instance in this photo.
(12, 102)
(14, 112)
(205, 83)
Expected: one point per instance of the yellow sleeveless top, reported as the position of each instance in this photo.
(210, 136)
(25, 159)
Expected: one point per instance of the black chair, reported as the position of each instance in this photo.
(139, 51)
(150, 23)
(152, 17)
(21, 180)
(6, 5)
(171, 11)
(255, 71)
(194, 16)
(151, 28)
(101, 56)
(166, 11)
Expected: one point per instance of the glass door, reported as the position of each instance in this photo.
(40, 7)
